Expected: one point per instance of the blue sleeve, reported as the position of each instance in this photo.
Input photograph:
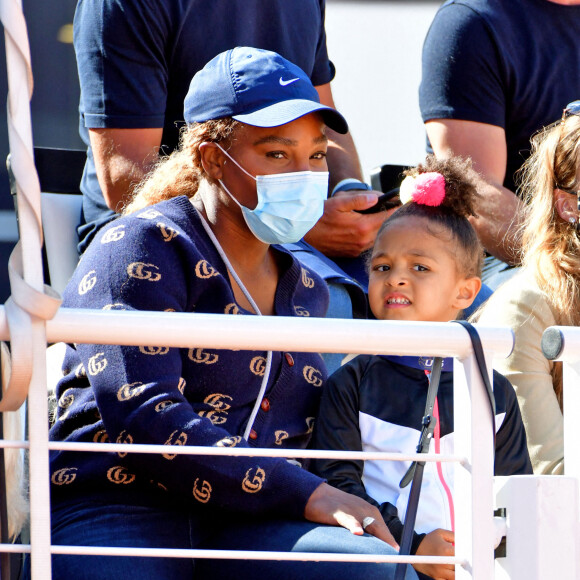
(123, 50)
(323, 71)
(462, 69)
(122, 65)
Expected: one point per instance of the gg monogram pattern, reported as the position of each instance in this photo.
(124, 437)
(254, 480)
(65, 402)
(113, 235)
(175, 439)
(126, 392)
(220, 405)
(161, 259)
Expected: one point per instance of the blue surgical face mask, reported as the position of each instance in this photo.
(289, 204)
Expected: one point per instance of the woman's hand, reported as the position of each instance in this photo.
(328, 505)
(437, 543)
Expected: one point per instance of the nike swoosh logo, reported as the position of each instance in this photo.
(289, 81)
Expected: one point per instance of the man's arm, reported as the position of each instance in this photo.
(122, 159)
(342, 157)
(341, 231)
(498, 209)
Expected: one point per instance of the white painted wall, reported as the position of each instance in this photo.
(376, 48)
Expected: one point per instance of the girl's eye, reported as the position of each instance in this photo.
(381, 268)
(275, 154)
(319, 155)
(420, 268)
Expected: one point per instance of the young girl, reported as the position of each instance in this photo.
(425, 265)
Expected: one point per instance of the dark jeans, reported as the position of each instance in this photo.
(93, 524)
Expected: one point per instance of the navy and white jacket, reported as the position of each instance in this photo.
(376, 403)
(161, 258)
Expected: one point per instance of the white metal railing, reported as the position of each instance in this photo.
(29, 306)
(562, 343)
(473, 456)
(28, 320)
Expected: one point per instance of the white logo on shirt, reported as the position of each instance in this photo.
(289, 81)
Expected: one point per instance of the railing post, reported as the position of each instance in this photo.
(571, 380)
(473, 481)
(542, 528)
(562, 343)
(27, 255)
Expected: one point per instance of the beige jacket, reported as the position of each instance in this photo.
(520, 304)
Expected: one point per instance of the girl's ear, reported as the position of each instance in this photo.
(467, 290)
(212, 160)
(566, 204)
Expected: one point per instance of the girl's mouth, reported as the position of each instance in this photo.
(397, 301)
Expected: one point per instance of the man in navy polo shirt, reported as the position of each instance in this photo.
(494, 73)
(135, 61)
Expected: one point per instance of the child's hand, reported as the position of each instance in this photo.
(437, 543)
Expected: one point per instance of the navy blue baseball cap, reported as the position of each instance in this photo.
(256, 87)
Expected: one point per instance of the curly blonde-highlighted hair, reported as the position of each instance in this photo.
(181, 172)
(551, 246)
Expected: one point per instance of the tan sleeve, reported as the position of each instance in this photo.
(524, 308)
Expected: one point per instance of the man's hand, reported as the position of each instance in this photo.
(328, 505)
(437, 543)
(341, 231)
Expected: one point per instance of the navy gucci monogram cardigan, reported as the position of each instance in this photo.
(162, 259)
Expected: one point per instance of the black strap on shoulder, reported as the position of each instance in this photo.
(428, 422)
(480, 359)
(415, 471)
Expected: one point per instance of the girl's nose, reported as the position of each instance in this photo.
(395, 278)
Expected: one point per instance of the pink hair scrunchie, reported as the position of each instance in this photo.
(425, 188)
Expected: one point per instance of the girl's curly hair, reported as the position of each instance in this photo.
(453, 213)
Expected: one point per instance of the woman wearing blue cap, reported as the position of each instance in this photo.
(202, 235)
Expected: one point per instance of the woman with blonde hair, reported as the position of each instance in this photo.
(547, 290)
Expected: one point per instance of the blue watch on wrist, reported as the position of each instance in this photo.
(350, 184)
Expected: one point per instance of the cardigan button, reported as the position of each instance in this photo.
(253, 434)
(289, 359)
(265, 405)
